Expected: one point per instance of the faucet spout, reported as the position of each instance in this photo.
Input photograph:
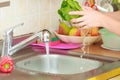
(23, 43)
(10, 49)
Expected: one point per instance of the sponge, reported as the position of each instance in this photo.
(54, 41)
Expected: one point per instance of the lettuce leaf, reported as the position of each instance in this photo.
(66, 7)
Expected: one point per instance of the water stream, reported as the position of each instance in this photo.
(85, 47)
(47, 53)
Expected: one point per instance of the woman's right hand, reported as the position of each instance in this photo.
(90, 18)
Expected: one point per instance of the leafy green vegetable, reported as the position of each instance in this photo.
(117, 3)
(66, 7)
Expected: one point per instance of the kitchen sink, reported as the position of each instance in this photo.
(58, 64)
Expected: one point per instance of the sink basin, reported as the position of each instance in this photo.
(58, 64)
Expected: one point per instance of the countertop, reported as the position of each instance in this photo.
(29, 51)
(96, 49)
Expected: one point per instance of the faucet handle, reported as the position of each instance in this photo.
(7, 42)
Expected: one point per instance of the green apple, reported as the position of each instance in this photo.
(63, 28)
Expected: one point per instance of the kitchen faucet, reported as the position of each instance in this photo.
(8, 47)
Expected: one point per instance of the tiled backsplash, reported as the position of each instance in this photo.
(35, 14)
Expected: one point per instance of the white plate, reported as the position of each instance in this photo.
(109, 48)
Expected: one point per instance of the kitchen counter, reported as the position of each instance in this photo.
(33, 51)
(96, 49)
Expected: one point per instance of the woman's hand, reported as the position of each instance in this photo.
(93, 18)
(90, 18)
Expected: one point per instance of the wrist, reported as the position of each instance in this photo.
(104, 20)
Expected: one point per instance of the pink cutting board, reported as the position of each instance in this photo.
(61, 45)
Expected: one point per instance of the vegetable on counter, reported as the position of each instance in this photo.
(6, 64)
(66, 7)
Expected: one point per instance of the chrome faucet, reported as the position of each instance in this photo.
(8, 47)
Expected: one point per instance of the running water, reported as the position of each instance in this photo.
(47, 53)
(46, 41)
(85, 47)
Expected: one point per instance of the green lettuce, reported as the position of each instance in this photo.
(66, 7)
(117, 3)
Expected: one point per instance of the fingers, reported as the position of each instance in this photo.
(85, 27)
(77, 20)
(77, 13)
(82, 21)
(80, 24)
(83, 12)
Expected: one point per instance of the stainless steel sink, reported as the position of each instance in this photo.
(58, 64)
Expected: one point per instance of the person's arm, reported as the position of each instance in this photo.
(93, 18)
(90, 18)
(114, 14)
(112, 24)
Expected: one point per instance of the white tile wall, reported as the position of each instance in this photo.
(26, 11)
(35, 14)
